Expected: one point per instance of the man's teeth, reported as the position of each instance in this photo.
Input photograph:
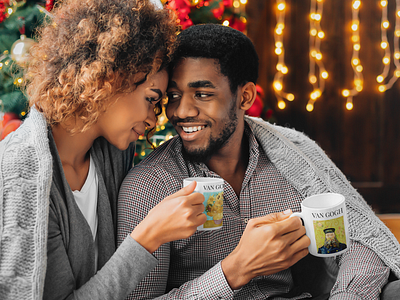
(192, 129)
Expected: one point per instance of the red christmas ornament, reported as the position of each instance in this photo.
(10, 127)
(185, 7)
(256, 109)
(260, 91)
(3, 9)
(49, 5)
(218, 12)
(228, 3)
(182, 8)
(7, 117)
(237, 24)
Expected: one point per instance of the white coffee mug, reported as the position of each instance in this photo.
(325, 219)
(213, 191)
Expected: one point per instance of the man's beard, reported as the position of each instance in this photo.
(215, 144)
(334, 243)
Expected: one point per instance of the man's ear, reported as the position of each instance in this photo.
(248, 95)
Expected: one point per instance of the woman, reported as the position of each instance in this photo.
(96, 78)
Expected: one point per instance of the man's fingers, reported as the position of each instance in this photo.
(272, 218)
(293, 236)
(289, 225)
(299, 255)
(196, 199)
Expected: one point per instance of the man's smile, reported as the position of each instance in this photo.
(190, 131)
(192, 128)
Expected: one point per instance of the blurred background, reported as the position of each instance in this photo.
(327, 68)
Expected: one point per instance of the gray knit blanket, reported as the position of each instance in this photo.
(304, 164)
(26, 176)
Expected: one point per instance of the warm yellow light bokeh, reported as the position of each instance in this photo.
(281, 104)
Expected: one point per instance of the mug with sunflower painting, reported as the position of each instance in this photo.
(213, 191)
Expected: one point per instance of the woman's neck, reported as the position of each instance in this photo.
(73, 150)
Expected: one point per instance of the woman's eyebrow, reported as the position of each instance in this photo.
(141, 81)
(158, 92)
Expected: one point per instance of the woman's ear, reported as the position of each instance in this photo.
(248, 95)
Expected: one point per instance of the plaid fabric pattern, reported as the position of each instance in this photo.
(190, 269)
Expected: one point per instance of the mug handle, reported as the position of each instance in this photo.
(297, 214)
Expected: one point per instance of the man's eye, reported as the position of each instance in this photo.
(172, 96)
(202, 95)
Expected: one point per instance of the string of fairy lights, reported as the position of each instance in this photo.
(317, 73)
(281, 67)
(355, 58)
(384, 76)
(317, 80)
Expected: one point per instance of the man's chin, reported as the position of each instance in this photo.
(198, 155)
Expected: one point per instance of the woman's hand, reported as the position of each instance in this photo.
(176, 217)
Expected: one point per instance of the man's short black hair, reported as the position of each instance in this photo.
(233, 50)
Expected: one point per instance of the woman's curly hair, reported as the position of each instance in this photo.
(92, 50)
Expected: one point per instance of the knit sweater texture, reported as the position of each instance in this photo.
(25, 181)
(306, 166)
(26, 175)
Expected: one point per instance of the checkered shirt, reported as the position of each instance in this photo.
(191, 268)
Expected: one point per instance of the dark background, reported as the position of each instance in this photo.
(364, 142)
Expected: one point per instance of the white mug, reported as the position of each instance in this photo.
(213, 192)
(325, 219)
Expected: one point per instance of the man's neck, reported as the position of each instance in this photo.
(231, 161)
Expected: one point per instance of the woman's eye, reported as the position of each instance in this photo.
(151, 100)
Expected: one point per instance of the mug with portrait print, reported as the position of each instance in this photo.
(325, 219)
(213, 192)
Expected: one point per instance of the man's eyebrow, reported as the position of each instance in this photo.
(158, 92)
(201, 83)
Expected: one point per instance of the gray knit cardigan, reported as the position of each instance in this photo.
(24, 198)
(25, 180)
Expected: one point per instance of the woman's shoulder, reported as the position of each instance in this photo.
(26, 149)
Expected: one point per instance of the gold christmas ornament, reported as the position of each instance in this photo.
(20, 50)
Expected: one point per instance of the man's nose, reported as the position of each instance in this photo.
(186, 108)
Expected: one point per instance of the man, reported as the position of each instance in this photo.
(331, 244)
(268, 170)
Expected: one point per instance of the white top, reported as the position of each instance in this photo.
(86, 199)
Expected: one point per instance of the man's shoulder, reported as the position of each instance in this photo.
(164, 162)
(164, 156)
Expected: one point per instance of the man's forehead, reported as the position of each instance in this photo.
(196, 72)
(199, 64)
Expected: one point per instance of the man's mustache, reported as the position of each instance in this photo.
(175, 121)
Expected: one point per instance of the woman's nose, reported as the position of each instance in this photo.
(151, 118)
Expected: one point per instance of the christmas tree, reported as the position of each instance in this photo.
(18, 22)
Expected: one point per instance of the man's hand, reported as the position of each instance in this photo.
(269, 245)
